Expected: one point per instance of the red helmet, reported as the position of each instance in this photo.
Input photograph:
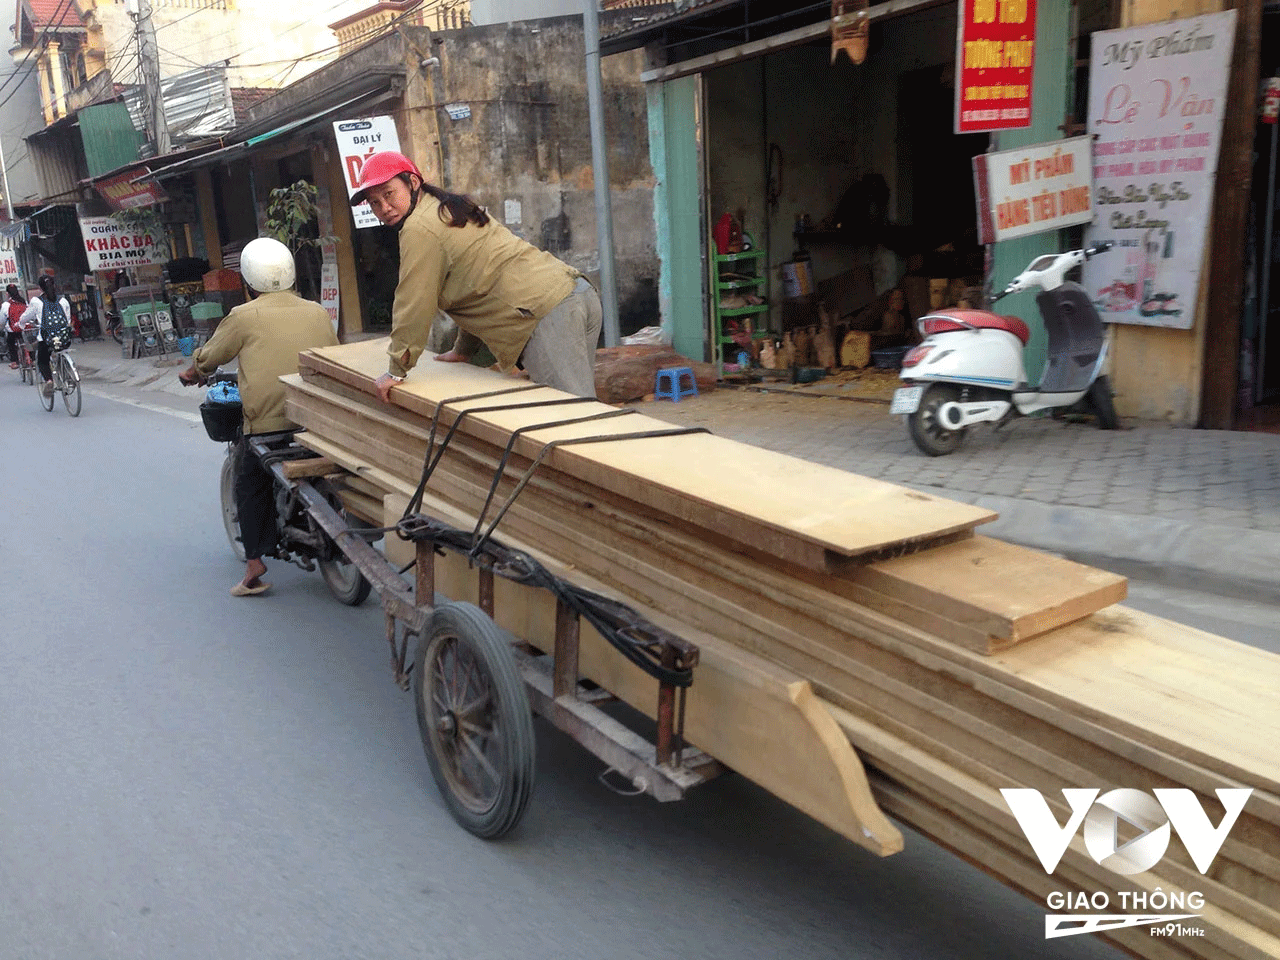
(380, 168)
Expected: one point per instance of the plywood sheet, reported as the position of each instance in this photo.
(767, 501)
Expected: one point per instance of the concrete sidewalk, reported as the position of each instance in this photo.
(1192, 508)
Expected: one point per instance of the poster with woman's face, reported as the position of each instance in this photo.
(1157, 94)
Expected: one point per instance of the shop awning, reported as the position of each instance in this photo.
(717, 32)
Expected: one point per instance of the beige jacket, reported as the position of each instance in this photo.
(267, 334)
(494, 285)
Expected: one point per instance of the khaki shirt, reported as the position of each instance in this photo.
(494, 285)
(267, 334)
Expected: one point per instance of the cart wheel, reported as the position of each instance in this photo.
(343, 578)
(475, 720)
(227, 489)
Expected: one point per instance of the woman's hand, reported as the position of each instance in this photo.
(452, 356)
(383, 385)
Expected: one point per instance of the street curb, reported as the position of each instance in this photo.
(1226, 561)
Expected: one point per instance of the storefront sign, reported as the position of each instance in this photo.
(9, 262)
(1157, 95)
(1033, 189)
(357, 141)
(329, 282)
(110, 246)
(122, 194)
(995, 56)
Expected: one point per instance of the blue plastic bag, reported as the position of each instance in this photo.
(223, 393)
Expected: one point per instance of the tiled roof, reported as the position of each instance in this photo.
(63, 12)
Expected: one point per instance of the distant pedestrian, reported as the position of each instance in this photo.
(13, 322)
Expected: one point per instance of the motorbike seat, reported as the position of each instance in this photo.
(945, 321)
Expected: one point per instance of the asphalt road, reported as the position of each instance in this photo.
(188, 775)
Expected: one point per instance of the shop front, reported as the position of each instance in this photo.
(857, 183)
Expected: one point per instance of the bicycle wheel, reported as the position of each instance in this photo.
(475, 720)
(46, 396)
(227, 491)
(71, 396)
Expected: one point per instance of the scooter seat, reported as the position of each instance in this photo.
(945, 321)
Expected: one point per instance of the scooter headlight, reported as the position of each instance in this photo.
(915, 355)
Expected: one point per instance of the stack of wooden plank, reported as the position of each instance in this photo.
(953, 664)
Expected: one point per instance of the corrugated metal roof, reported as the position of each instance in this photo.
(110, 139)
(197, 105)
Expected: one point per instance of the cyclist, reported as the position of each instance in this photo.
(266, 334)
(51, 313)
(16, 304)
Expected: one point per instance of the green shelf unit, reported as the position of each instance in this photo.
(742, 272)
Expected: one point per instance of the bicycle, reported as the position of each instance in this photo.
(27, 356)
(66, 380)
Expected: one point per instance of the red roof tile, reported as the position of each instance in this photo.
(63, 12)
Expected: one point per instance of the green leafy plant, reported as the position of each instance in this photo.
(291, 213)
(293, 218)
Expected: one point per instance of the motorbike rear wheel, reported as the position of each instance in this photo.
(929, 435)
(1099, 397)
(343, 578)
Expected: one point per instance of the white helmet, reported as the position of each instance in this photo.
(267, 265)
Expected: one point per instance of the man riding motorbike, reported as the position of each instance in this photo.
(266, 334)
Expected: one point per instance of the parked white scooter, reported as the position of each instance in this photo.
(969, 368)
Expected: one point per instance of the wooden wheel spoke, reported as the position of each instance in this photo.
(481, 760)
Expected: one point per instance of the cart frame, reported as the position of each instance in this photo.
(665, 767)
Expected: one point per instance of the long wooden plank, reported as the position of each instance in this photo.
(961, 605)
(1002, 590)
(1148, 752)
(710, 481)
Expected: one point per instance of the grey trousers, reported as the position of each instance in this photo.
(561, 352)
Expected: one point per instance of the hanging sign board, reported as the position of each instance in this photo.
(1033, 189)
(123, 193)
(1157, 94)
(9, 262)
(995, 57)
(357, 141)
(110, 246)
(329, 282)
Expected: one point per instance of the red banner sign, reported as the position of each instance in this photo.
(995, 58)
(121, 193)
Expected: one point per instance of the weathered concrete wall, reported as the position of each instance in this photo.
(510, 105)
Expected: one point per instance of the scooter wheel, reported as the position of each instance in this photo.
(928, 433)
(1099, 397)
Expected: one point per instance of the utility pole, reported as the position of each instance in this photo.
(600, 172)
(149, 54)
(4, 177)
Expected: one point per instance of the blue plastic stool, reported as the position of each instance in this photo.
(670, 384)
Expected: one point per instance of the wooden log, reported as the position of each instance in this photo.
(628, 373)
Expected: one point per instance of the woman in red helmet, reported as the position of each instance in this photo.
(521, 302)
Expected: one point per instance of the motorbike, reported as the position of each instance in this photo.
(969, 368)
(300, 537)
